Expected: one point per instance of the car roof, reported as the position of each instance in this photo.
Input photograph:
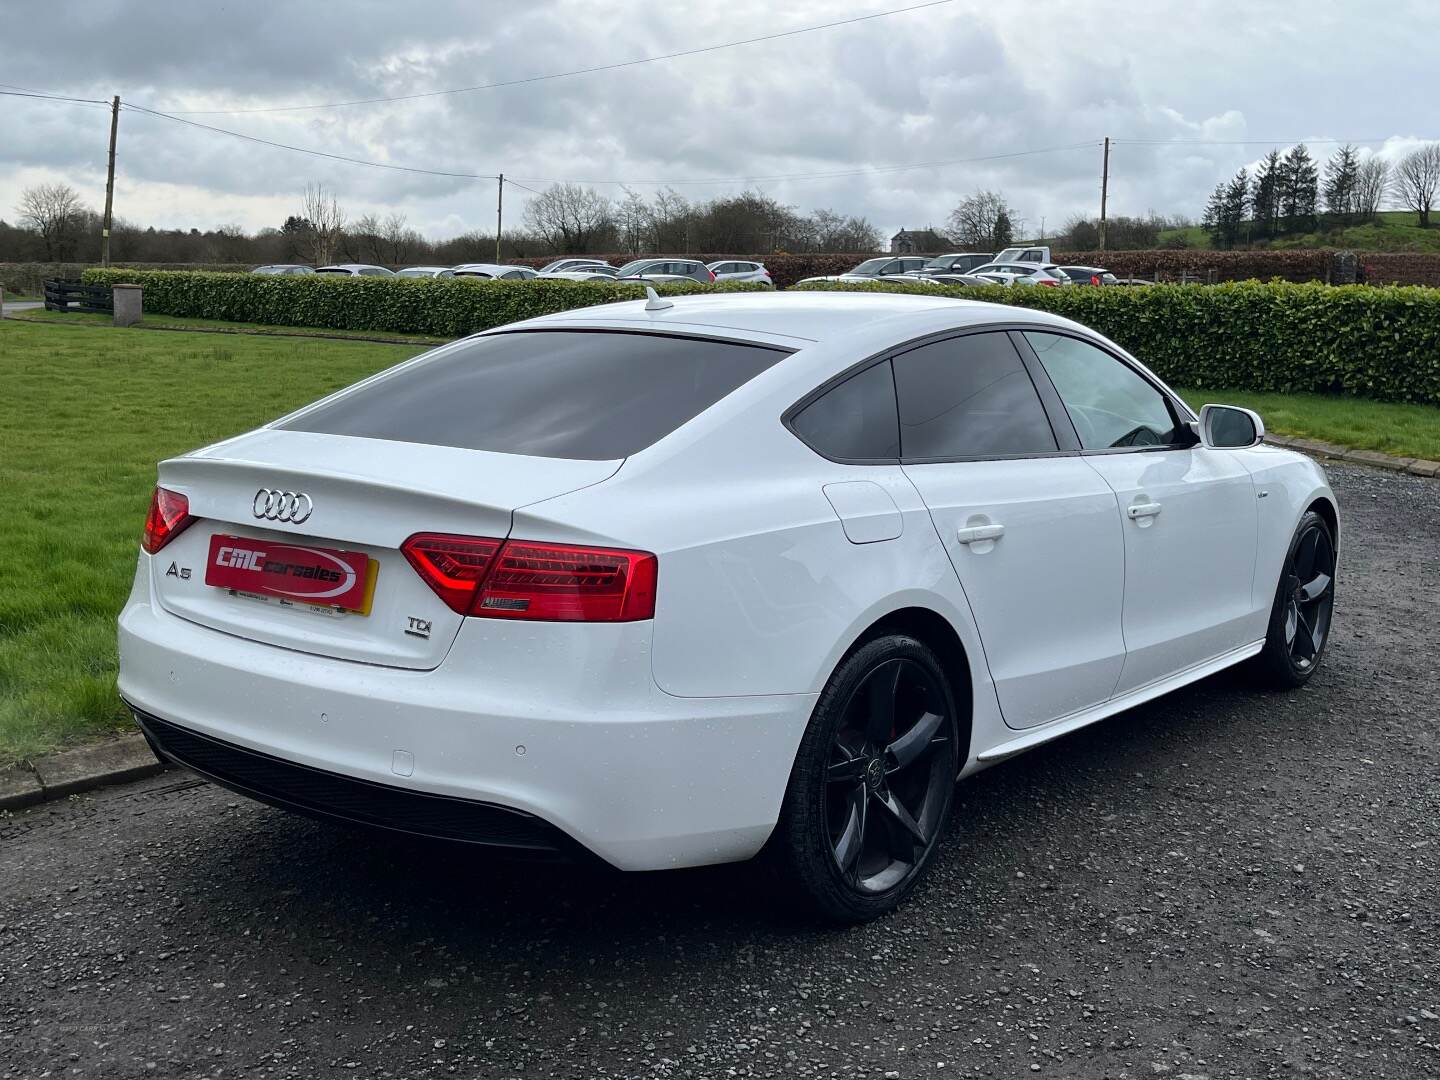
(353, 266)
(798, 316)
(489, 267)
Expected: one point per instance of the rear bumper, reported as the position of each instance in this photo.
(560, 722)
(342, 798)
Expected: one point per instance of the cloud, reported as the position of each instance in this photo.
(966, 80)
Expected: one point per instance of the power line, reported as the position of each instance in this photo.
(37, 95)
(305, 150)
(569, 74)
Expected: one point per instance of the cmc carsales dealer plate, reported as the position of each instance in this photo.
(308, 575)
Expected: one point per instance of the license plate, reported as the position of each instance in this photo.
(326, 577)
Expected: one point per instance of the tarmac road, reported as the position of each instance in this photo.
(1223, 883)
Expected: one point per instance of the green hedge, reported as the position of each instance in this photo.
(1379, 342)
(444, 307)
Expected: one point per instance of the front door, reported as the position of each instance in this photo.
(1188, 513)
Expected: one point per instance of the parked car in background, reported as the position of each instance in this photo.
(497, 271)
(283, 268)
(1023, 274)
(666, 270)
(421, 271)
(584, 273)
(1038, 254)
(356, 270)
(884, 266)
(739, 270)
(951, 279)
(961, 262)
(573, 264)
(1089, 275)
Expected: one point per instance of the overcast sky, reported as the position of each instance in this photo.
(961, 80)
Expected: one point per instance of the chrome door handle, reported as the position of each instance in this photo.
(1143, 510)
(976, 533)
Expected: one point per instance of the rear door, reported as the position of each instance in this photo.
(1030, 528)
(1188, 513)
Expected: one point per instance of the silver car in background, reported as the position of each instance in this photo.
(283, 268)
(357, 270)
(496, 271)
(662, 270)
(741, 270)
(421, 271)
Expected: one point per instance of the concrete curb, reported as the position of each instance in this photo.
(1373, 458)
(114, 761)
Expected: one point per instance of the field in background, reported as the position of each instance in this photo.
(85, 416)
(1395, 230)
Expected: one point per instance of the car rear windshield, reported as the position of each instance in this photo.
(590, 395)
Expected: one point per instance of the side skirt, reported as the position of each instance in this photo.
(1075, 721)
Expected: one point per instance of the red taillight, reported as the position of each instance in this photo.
(453, 566)
(1048, 281)
(569, 584)
(521, 579)
(1094, 279)
(169, 516)
(711, 273)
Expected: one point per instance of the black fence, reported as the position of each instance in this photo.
(73, 296)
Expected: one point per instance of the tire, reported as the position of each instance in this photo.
(871, 788)
(1300, 622)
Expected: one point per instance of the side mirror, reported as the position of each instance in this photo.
(1230, 427)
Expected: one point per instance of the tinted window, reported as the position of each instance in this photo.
(855, 420)
(969, 397)
(593, 396)
(1109, 403)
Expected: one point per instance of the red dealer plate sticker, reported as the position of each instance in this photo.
(307, 575)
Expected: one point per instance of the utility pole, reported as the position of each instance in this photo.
(1104, 189)
(109, 183)
(499, 209)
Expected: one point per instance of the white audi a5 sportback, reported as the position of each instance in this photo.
(676, 581)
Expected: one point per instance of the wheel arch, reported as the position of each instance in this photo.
(1327, 509)
(935, 630)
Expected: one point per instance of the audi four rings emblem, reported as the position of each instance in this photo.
(272, 504)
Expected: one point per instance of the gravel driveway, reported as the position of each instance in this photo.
(1222, 883)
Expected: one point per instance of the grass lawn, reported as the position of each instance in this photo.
(1403, 430)
(84, 417)
(171, 322)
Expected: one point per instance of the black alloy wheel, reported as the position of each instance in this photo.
(1304, 605)
(874, 779)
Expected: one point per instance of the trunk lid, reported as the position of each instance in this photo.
(365, 497)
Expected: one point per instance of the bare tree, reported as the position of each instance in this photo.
(982, 222)
(55, 212)
(1415, 179)
(321, 211)
(1370, 184)
(398, 241)
(571, 219)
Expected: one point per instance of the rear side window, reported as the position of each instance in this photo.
(593, 396)
(969, 397)
(854, 421)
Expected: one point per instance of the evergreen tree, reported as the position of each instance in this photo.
(1236, 202)
(1342, 176)
(1265, 199)
(1214, 217)
(1004, 230)
(1299, 189)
